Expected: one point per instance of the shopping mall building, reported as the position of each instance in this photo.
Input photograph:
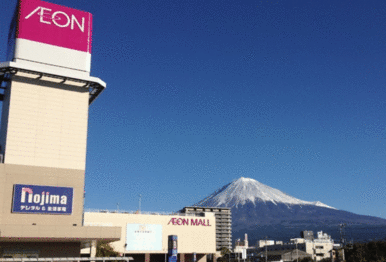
(46, 92)
(147, 236)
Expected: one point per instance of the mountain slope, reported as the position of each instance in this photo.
(258, 208)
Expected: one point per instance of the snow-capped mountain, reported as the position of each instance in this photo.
(260, 210)
(244, 190)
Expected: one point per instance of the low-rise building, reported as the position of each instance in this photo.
(146, 236)
(283, 255)
(319, 248)
(263, 243)
(240, 245)
(241, 248)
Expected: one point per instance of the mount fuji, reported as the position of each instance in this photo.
(260, 210)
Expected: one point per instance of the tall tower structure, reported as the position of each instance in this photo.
(43, 135)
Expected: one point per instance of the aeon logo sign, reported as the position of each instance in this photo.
(55, 25)
(58, 18)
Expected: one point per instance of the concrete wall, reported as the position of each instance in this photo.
(191, 238)
(47, 124)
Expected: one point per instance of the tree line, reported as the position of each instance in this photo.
(374, 251)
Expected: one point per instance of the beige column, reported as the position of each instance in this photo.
(182, 257)
(93, 248)
(147, 257)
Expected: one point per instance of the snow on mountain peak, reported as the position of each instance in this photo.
(244, 189)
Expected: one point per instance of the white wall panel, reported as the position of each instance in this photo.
(52, 55)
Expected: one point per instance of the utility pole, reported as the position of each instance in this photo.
(266, 259)
(140, 196)
(238, 244)
(332, 255)
(342, 238)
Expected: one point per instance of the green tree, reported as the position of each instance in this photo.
(367, 252)
(105, 250)
(225, 253)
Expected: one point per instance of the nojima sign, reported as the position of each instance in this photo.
(42, 199)
(51, 34)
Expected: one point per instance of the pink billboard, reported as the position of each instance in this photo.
(55, 25)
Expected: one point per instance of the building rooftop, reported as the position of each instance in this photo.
(282, 252)
(205, 208)
(140, 212)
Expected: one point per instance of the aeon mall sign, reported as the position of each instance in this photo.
(54, 25)
(186, 222)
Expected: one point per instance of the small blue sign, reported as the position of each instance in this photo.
(42, 199)
(172, 259)
(173, 248)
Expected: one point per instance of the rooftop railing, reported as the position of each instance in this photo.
(144, 212)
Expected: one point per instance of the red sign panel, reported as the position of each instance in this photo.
(55, 25)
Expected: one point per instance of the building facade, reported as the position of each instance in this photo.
(319, 248)
(145, 236)
(223, 223)
(47, 89)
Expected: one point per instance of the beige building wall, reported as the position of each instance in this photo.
(319, 251)
(43, 141)
(44, 176)
(18, 227)
(223, 223)
(191, 238)
(46, 124)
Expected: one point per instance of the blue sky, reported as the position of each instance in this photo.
(199, 93)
